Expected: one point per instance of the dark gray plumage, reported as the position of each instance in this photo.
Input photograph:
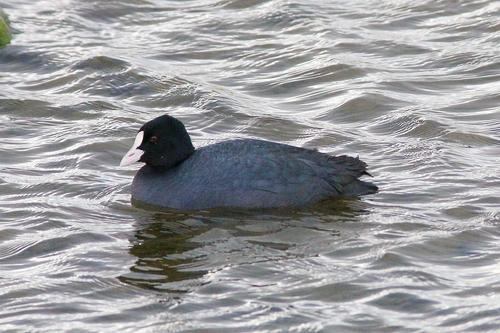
(252, 174)
(243, 173)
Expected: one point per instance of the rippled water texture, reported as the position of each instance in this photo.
(410, 86)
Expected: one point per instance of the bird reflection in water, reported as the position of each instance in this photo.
(165, 253)
(176, 252)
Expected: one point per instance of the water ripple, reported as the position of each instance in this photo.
(409, 86)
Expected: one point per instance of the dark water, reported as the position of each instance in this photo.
(410, 86)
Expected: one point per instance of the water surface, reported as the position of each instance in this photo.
(410, 87)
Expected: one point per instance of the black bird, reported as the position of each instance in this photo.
(244, 173)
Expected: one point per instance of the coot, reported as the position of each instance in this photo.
(244, 173)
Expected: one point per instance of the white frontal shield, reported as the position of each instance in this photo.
(134, 154)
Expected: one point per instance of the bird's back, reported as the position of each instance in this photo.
(251, 174)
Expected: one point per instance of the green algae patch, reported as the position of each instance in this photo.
(5, 36)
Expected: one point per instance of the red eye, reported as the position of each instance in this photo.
(153, 139)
